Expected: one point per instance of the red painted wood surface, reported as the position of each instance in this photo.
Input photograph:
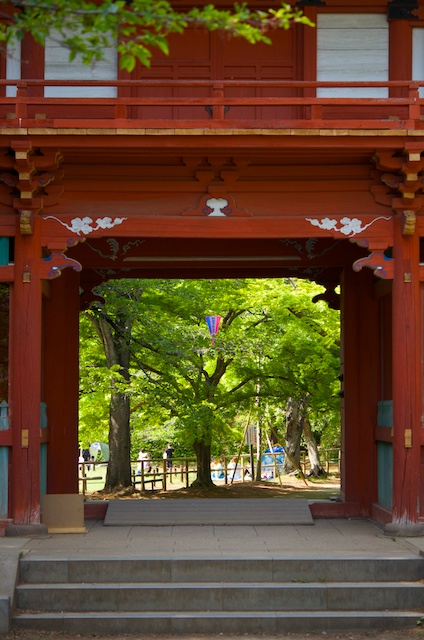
(359, 365)
(240, 103)
(221, 118)
(25, 380)
(61, 378)
(204, 227)
(407, 377)
(7, 273)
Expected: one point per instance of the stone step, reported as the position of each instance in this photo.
(215, 595)
(294, 569)
(191, 622)
(226, 597)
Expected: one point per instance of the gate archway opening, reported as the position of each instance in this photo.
(324, 260)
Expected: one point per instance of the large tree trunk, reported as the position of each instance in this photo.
(294, 427)
(203, 459)
(115, 343)
(119, 467)
(313, 453)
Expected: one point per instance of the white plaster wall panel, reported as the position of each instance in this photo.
(352, 47)
(58, 67)
(13, 66)
(418, 56)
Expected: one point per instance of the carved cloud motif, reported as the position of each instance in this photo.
(350, 227)
(85, 225)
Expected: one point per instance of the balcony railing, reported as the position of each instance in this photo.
(202, 104)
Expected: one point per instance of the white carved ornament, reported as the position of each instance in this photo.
(85, 225)
(217, 204)
(349, 226)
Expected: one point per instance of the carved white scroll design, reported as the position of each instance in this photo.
(349, 226)
(85, 225)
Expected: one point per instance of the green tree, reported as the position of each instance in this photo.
(86, 28)
(113, 323)
(94, 392)
(273, 344)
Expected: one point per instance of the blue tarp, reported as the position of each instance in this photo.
(268, 461)
(99, 451)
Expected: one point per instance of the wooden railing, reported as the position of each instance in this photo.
(208, 104)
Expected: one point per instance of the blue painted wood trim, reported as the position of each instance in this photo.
(4, 251)
(385, 413)
(4, 416)
(43, 470)
(43, 451)
(4, 482)
(4, 464)
(43, 415)
(385, 474)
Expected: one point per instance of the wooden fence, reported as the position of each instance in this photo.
(183, 471)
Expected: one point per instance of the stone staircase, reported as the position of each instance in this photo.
(180, 596)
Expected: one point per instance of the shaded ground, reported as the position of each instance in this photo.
(327, 488)
(405, 634)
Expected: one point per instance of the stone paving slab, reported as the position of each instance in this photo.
(327, 538)
(171, 512)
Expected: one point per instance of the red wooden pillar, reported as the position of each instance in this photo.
(407, 381)
(32, 63)
(61, 379)
(400, 58)
(360, 371)
(25, 379)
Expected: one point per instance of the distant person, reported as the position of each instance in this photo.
(86, 455)
(144, 461)
(168, 454)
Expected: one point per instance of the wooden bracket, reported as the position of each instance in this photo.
(25, 222)
(382, 266)
(408, 223)
(52, 266)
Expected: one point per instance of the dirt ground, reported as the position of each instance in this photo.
(325, 488)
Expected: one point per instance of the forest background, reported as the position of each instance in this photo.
(151, 373)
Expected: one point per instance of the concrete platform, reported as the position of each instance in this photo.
(348, 538)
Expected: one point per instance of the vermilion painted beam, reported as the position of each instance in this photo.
(210, 227)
